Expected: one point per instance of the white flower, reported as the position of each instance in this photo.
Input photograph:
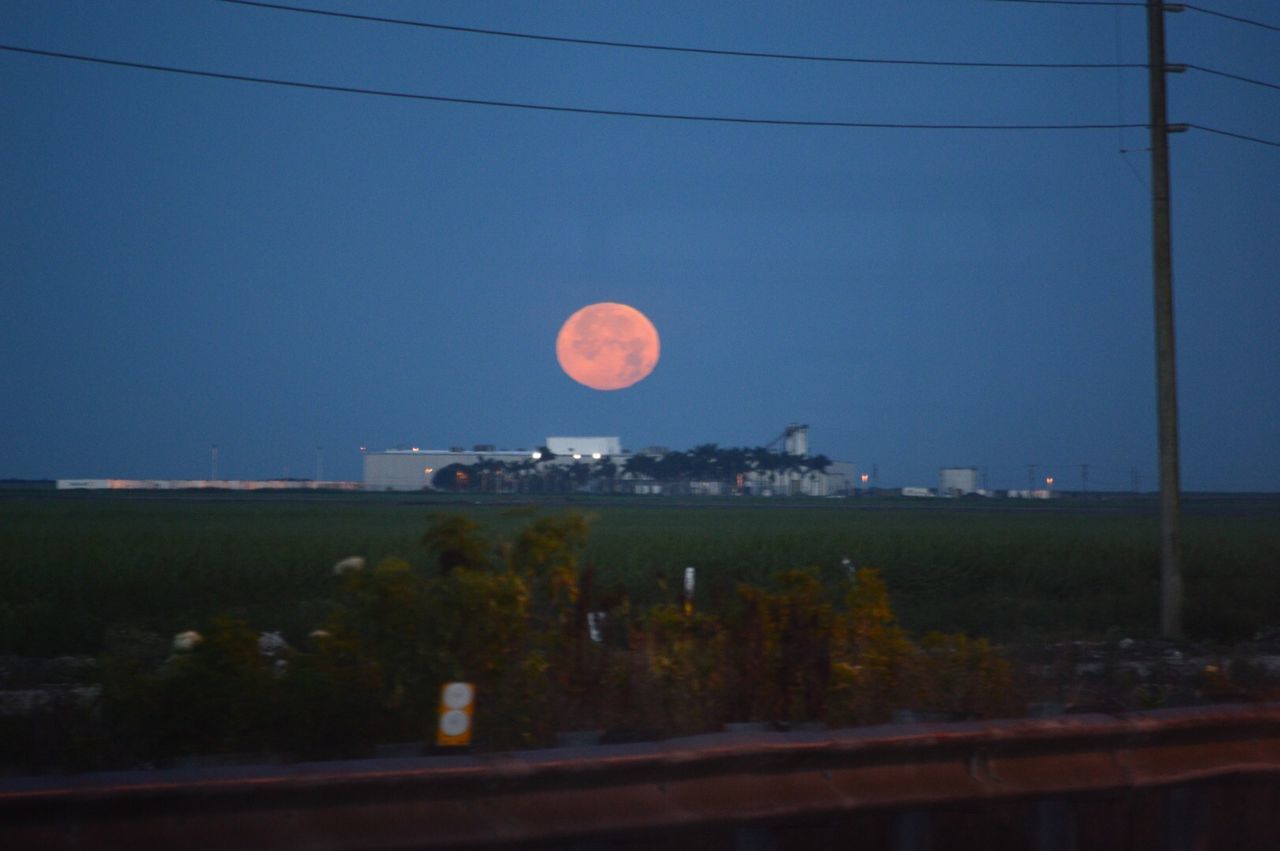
(271, 643)
(184, 642)
(319, 634)
(348, 564)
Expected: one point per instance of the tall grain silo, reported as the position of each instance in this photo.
(797, 439)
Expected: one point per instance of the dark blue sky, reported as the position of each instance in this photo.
(192, 261)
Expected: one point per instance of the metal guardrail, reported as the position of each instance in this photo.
(730, 782)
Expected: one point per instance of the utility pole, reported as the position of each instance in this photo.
(213, 462)
(1084, 477)
(1166, 377)
(1031, 479)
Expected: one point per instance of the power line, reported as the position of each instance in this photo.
(1235, 18)
(1118, 65)
(723, 119)
(1076, 2)
(1217, 73)
(706, 51)
(1218, 132)
(1121, 3)
(581, 110)
(1123, 147)
(1168, 7)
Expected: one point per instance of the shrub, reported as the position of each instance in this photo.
(512, 618)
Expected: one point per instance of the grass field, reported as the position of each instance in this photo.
(74, 564)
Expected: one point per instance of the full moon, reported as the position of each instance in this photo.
(607, 346)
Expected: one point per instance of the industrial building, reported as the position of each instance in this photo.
(585, 447)
(957, 481)
(572, 463)
(414, 468)
(204, 484)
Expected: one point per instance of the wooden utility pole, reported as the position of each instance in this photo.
(1166, 376)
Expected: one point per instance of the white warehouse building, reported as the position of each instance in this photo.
(412, 469)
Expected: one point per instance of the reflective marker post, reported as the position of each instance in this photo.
(457, 703)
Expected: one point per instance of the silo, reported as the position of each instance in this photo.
(797, 439)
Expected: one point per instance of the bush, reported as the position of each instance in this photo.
(512, 618)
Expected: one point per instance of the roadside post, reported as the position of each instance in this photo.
(457, 708)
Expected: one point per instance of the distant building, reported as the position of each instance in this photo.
(585, 447)
(910, 491)
(415, 468)
(1040, 493)
(412, 469)
(836, 480)
(957, 481)
(203, 484)
(796, 439)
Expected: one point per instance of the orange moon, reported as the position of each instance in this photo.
(607, 346)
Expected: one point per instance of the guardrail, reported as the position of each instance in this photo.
(1184, 778)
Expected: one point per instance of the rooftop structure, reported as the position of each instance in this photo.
(595, 447)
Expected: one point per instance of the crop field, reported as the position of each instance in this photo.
(73, 565)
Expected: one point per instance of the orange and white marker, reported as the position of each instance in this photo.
(457, 703)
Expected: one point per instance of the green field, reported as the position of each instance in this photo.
(75, 564)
